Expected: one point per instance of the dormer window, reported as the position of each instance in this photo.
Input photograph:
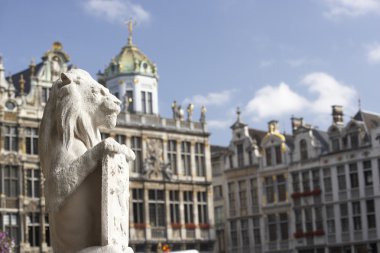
(240, 155)
(335, 144)
(303, 150)
(268, 155)
(354, 139)
(277, 150)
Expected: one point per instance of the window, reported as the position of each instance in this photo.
(327, 180)
(146, 102)
(306, 181)
(33, 183)
(371, 217)
(244, 232)
(269, 187)
(335, 144)
(243, 196)
(281, 188)
(296, 182)
(344, 217)
(10, 174)
(341, 177)
(45, 94)
(186, 158)
(200, 159)
(231, 198)
(129, 94)
(157, 208)
(234, 237)
(318, 218)
(172, 155)
(33, 223)
(356, 215)
(284, 226)
(219, 217)
(31, 140)
(174, 207)
(230, 158)
(202, 208)
(272, 227)
(138, 206)
(254, 194)
(367, 170)
(308, 219)
(316, 179)
(47, 230)
(256, 230)
(298, 219)
(120, 138)
(10, 138)
(354, 138)
(188, 206)
(268, 154)
(137, 148)
(330, 219)
(240, 155)
(150, 103)
(354, 175)
(278, 153)
(11, 225)
(303, 149)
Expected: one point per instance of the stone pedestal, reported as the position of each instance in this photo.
(115, 202)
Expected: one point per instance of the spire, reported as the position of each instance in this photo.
(3, 82)
(130, 23)
(238, 112)
(32, 67)
(22, 85)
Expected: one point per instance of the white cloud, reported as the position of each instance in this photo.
(373, 54)
(213, 98)
(273, 101)
(277, 101)
(266, 63)
(294, 63)
(329, 92)
(351, 8)
(116, 11)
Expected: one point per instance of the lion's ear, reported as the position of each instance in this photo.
(65, 79)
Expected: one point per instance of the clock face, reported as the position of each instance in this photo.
(10, 105)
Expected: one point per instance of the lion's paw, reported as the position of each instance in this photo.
(129, 154)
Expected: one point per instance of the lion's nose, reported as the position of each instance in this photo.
(117, 101)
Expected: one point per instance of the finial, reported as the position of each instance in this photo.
(203, 114)
(238, 112)
(360, 104)
(32, 66)
(22, 84)
(130, 23)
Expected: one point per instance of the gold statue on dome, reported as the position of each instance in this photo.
(130, 23)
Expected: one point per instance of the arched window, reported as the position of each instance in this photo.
(303, 149)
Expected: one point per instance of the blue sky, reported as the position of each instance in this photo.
(272, 58)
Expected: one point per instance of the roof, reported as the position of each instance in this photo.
(131, 60)
(26, 75)
(371, 120)
(218, 149)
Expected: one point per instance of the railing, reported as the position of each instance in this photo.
(157, 121)
(158, 232)
(190, 233)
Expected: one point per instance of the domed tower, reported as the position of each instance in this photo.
(133, 78)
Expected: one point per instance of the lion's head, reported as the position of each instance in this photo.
(77, 106)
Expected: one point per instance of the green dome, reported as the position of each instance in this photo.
(131, 61)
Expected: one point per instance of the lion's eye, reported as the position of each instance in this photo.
(102, 92)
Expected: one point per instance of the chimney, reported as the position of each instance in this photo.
(337, 113)
(273, 126)
(296, 123)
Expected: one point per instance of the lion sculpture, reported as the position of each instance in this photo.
(71, 152)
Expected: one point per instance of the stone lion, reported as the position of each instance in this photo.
(71, 153)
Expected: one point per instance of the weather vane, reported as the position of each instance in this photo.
(130, 23)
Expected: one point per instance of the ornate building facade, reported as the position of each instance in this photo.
(308, 192)
(171, 194)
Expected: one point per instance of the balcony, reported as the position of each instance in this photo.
(158, 232)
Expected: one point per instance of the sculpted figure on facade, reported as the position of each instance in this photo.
(72, 155)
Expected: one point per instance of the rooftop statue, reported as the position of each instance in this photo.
(86, 179)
